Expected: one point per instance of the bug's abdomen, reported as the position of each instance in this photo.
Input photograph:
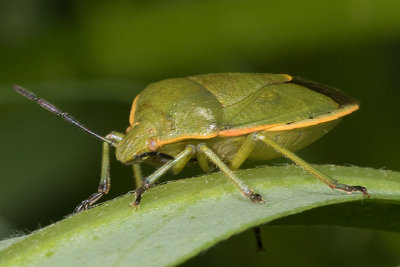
(293, 140)
(227, 147)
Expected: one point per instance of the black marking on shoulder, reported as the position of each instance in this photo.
(335, 94)
(156, 154)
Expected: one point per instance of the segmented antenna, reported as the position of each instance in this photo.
(53, 109)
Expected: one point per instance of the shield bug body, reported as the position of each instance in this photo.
(225, 119)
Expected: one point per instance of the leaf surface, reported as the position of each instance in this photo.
(179, 219)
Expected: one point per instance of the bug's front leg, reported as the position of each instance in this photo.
(105, 179)
(181, 159)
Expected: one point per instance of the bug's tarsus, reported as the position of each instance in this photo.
(53, 109)
(87, 203)
(139, 192)
(256, 198)
(351, 188)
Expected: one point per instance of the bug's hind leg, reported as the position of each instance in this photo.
(246, 190)
(105, 179)
(332, 183)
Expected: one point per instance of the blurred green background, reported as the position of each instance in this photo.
(92, 57)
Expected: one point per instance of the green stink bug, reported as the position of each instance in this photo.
(225, 118)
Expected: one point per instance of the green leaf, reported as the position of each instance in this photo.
(179, 219)
(372, 215)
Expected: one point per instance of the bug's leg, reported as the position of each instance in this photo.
(137, 173)
(243, 153)
(105, 180)
(179, 165)
(203, 162)
(185, 155)
(257, 234)
(247, 191)
(332, 183)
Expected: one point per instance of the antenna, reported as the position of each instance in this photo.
(53, 109)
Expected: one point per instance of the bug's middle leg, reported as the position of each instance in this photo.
(246, 190)
(241, 155)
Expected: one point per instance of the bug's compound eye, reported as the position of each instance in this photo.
(152, 144)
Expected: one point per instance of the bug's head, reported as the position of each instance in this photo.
(138, 142)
